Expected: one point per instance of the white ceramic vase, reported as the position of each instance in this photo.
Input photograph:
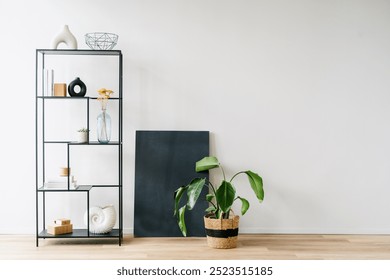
(66, 37)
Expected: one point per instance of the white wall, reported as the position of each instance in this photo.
(295, 90)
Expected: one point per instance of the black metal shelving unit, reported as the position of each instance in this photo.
(41, 143)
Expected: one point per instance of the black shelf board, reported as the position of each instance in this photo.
(74, 97)
(88, 143)
(79, 52)
(56, 142)
(111, 98)
(106, 186)
(80, 233)
(64, 97)
(80, 188)
(95, 143)
(84, 188)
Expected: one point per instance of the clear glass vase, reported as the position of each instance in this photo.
(104, 127)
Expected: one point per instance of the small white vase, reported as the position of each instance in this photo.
(65, 36)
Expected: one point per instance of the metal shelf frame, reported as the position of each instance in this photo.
(41, 142)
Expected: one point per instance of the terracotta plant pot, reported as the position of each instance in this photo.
(222, 233)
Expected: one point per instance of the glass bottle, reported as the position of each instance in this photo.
(104, 127)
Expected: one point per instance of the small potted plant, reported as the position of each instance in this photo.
(83, 135)
(221, 227)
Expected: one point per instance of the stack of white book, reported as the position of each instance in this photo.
(60, 183)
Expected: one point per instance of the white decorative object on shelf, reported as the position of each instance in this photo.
(101, 219)
(82, 137)
(65, 36)
(48, 81)
(101, 40)
(82, 134)
(60, 183)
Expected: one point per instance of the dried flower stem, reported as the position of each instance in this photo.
(104, 95)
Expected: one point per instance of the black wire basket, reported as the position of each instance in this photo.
(101, 40)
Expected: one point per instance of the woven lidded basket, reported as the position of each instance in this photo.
(222, 233)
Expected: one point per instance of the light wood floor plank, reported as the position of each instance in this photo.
(250, 247)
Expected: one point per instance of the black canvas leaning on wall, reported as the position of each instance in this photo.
(164, 161)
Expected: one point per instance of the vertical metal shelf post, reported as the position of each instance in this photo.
(36, 151)
(88, 120)
(120, 148)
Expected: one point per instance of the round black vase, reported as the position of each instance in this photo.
(73, 84)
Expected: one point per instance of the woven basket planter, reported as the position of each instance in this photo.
(222, 233)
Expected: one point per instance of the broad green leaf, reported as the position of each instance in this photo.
(209, 197)
(194, 190)
(181, 221)
(210, 209)
(257, 184)
(178, 194)
(225, 196)
(206, 163)
(244, 206)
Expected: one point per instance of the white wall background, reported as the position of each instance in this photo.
(297, 91)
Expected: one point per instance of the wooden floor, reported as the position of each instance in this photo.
(250, 247)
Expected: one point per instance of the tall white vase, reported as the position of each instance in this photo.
(65, 36)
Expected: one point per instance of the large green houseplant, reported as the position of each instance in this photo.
(220, 197)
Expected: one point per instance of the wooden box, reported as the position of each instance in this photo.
(60, 90)
(62, 221)
(60, 229)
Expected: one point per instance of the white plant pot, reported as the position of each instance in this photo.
(82, 137)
